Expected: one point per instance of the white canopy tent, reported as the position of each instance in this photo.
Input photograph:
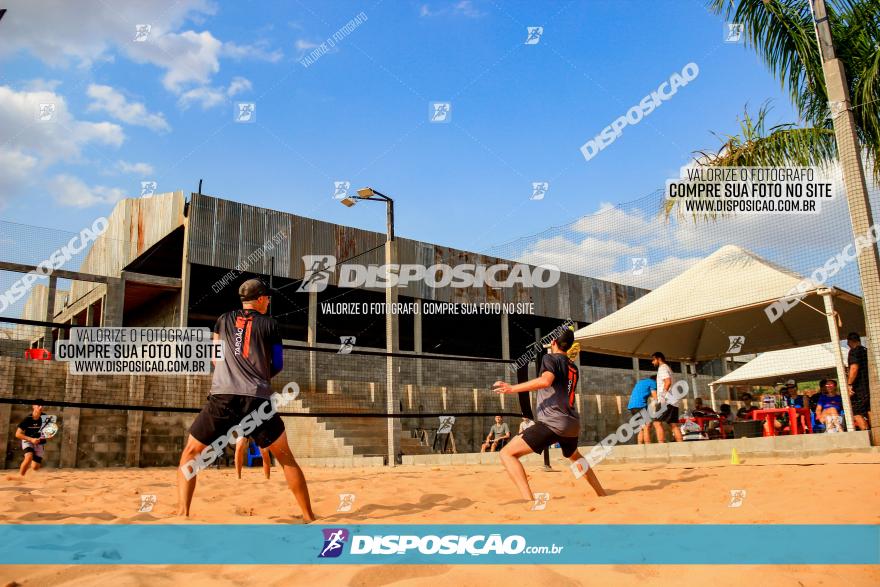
(810, 362)
(813, 362)
(727, 304)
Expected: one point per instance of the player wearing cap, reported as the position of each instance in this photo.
(240, 386)
(557, 417)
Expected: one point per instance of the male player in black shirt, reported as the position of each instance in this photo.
(240, 386)
(28, 432)
(857, 380)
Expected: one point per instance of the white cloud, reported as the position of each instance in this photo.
(39, 84)
(259, 51)
(72, 191)
(60, 139)
(16, 172)
(210, 96)
(32, 145)
(106, 99)
(238, 85)
(188, 58)
(61, 33)
(141, 169)
(467, 8)
(463, 8)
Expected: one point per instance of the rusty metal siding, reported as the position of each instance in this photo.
(134, 225)
(224, 233)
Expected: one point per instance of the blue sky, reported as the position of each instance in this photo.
(163, 109)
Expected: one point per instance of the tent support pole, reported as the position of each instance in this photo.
(827, 296)
(712, 396)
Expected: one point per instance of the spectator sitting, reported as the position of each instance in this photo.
(829, 406)
(813, 398)
(791, 396)
(526, 423)
(498, 436)
(745, 412)
(700, 409)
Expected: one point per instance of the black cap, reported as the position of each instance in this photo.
(565, 339)
(252, 289)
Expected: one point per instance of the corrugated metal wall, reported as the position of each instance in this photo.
(224, 233)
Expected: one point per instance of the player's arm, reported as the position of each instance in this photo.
(506, 432)
(215, 338)
(277, 359)
(277, 363)
(543, 381)
(19, 434)
(853, 374)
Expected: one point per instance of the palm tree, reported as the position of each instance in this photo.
(783, 35)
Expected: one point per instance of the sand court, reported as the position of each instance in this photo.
(778, 491)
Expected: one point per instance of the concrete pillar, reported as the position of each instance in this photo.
(392, 345)
(637, 372)
(692, 378)
(834, 335)
(113, 309)
(48, 339)
(135, 421)
(185, 272)
(70, 427)
(417, 345)
(7, 378)
(312, 338)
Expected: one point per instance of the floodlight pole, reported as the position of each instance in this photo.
(850, 154)
(392, 326)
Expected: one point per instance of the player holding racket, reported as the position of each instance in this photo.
(33, 432)
(557, 420)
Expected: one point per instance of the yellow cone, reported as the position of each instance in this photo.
(734, 457)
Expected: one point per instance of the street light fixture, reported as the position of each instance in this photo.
(392, 339)
(369, 193)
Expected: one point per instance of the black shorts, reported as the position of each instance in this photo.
(37, 455)
(224, 412)
(540, 437)
(860, 403)
(670, 415)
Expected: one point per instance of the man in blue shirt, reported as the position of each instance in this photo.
(638, 401)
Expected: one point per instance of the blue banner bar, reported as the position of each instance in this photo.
(432, 544)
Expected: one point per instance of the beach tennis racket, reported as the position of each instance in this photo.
(49, 429)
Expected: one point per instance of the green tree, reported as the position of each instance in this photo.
(783, 35)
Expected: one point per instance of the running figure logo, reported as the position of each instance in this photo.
(736, 344)
(534, 35)
(638, 265)
(539, 190)
(734, 32)
(147, 503)
(346, 501)
(340, 189)
(245, 112)
(141, 32)
(334, 540)
(736, 498)
(441, 111)
(541, 500)
(346, 344)
(317, 273)
(46, 112)
(446, 424)
(148, 188)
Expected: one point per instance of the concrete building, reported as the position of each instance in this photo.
(169, 261)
